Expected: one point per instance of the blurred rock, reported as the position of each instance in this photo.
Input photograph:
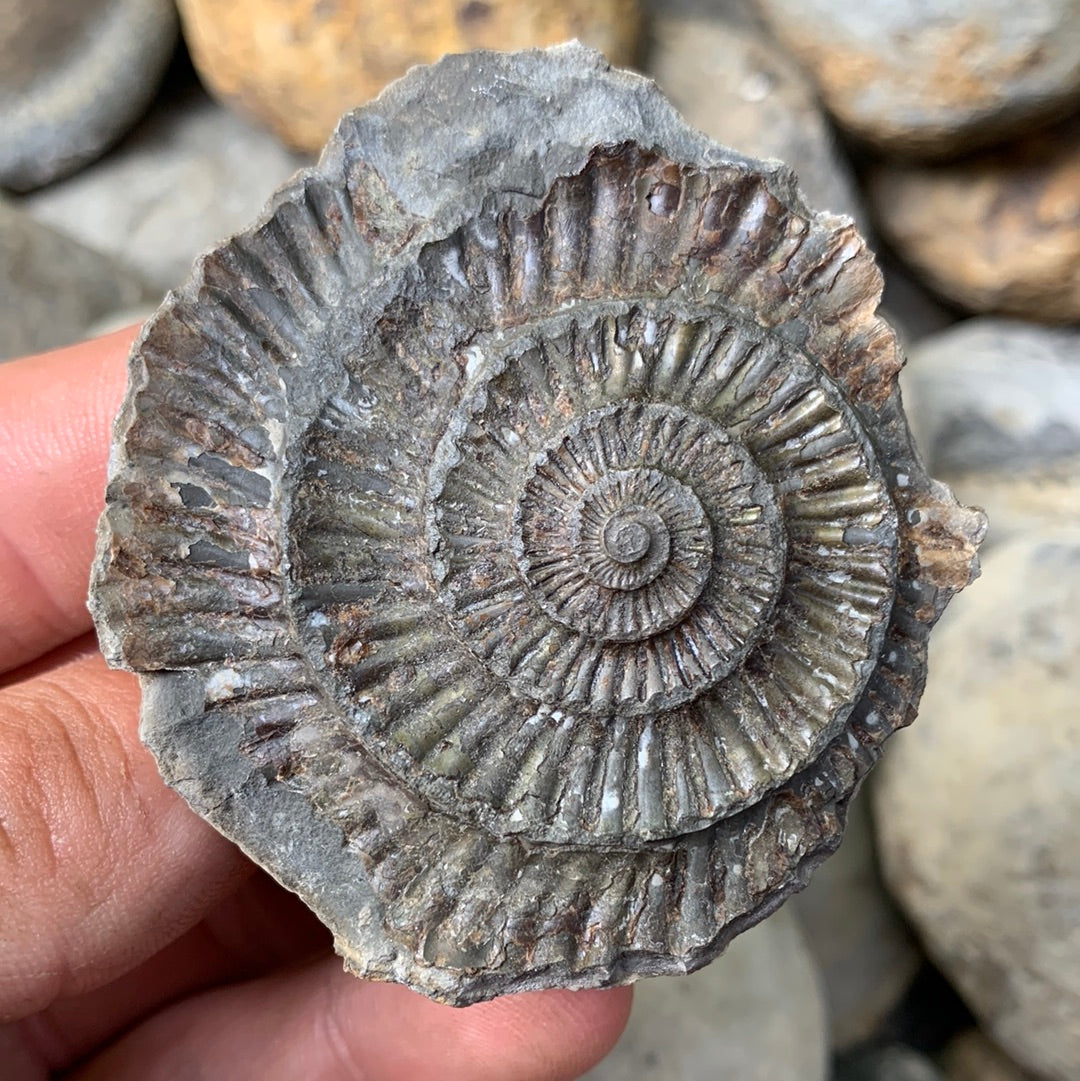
(735, 85)
(978, 806)
(742, 13)
(53, 290)
(895, 1063)
(909, 307)
(297, 65)
(1019, 505)
(865, 953)
(756, 1014)
(997, 394)
(917, 78)
(73, 78)
(995, 407)
(191, 175)
(996, 232)
(117, 320)
(972, 1057)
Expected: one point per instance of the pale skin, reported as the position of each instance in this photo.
(135, 941)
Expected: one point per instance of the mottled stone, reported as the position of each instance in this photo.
(297, 65)
(933, 79)
(755, 1015)
(995, 406)
(192, 173)
(730, 81)
(996, 232)
(73, 78)
(973, 1057)
(53, 290)
(892, 1063)
(997, 395)
(864, 952)
(978, 807)
(518, 536)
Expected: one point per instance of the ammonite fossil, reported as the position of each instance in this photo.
(518, 534)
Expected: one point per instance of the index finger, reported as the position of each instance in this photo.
(56, 415)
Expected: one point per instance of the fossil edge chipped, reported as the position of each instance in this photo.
(395, 750)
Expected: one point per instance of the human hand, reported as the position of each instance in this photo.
(136, 942)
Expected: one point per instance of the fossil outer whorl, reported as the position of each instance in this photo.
(519, 535)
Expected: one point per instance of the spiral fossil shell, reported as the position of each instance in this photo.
(518, 534)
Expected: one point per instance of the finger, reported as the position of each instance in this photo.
(100, 864)
(56, 414)
(322, 1024)
(259, 928)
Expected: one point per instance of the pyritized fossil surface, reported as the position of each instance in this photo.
(518, 535)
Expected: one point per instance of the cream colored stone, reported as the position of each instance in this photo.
(995, 407)
(934, 78)
(978, 804)
(756, 1014)
(997, 395)
(1021, 505)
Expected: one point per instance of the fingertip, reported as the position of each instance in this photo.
(320, 1023)
(90, 376)
(550, 1035)
(102, 865)
(56, 416)
(570, 1030)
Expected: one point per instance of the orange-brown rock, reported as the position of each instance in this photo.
(297, 65)
(996, 232)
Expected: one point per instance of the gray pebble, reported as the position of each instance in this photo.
(756, 1014)
(997, 394)
(732, 82)
(54, 290)
(73, 78)
(192, 173)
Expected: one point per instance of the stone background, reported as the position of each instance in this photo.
(942, 942)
